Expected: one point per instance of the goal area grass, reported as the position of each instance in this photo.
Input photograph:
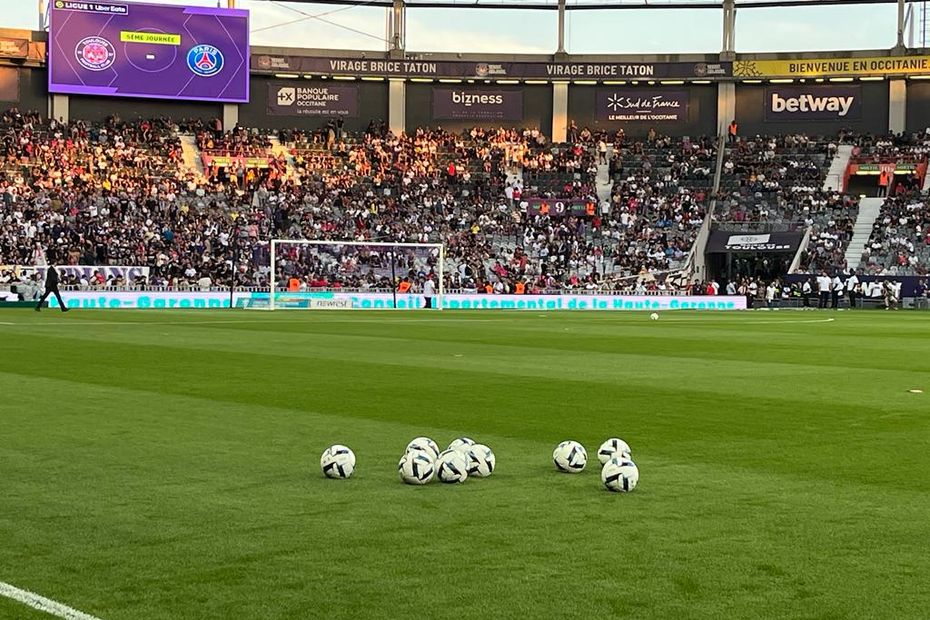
(165, 464)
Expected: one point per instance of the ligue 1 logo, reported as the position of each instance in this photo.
(205, 60)
(95, 53)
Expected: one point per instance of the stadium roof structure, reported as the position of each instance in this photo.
(580, 5)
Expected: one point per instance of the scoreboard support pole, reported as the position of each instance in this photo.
(230, 116)
(59, 107)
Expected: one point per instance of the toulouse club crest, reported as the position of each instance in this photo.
(95, 53)
(205, 60)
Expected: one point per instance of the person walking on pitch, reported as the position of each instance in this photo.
(429, 291)
(51, 286)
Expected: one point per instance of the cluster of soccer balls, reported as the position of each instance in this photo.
(422, 461)
(618, 472)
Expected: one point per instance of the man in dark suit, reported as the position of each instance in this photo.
(51, 286)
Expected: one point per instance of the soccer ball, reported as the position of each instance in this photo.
(451, 467)
(620, 475)
(611, 448)
(654, 316)
(416, 467)
(337, 462)
(425, 444)
(570, 457)
(462, 444)
(481, 461)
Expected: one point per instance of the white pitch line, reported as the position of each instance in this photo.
(751, 322)
(6, 323)
(41, 603)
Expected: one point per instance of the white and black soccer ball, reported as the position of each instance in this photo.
(338, 461)
(425, 444)
(611, 448)
(654, 316)
(620, 475)
(452, 467)
(462, 444)
(481, 461)
(416, 467)
(570, 457)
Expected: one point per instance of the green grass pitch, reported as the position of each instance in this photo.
(165, 465)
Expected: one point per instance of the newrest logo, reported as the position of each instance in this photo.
(287, 95)
(748, 239)
(468, 99)
(756, 243)
(824, 103)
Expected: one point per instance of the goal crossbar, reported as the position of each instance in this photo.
(377, 244)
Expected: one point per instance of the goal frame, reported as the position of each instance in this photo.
(380, 244)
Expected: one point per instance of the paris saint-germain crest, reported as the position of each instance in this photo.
(205, 60)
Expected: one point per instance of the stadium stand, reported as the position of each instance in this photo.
(119, 193)
(900, 241)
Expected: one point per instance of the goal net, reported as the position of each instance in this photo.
(321, 275)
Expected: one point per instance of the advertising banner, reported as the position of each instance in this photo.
(11, 47)
(146, 300)
(130, 49)
(110, 272)
(560, 208)
(225, 161)
(377, 301)
(477, 104)
(833, 67)
(474, 301)
(294, 99)
(634, 104)
(892, 167)
(827, 102)
(721, 242)
(566, 71)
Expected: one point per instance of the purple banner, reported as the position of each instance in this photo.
(316, 99)
(827, 102)
(642, 105)
(125, 49)
(567, 71)
(477, 104)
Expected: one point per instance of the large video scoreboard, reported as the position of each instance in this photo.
(130, 49)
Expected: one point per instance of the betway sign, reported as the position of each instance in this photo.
(813, 103)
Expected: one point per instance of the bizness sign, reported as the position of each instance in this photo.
(477, 105)
(634, 104)
(813, 103)
(288, 99)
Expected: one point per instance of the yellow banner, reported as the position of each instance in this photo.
(833, 67)
(158, 38)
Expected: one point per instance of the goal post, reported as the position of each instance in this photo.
(316, 274)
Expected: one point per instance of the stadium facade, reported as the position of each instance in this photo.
(678, 95)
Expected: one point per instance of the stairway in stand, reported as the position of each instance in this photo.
(869, 209)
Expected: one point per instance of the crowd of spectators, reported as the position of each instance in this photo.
(900, 240)
(121, 193)
(777, 183)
